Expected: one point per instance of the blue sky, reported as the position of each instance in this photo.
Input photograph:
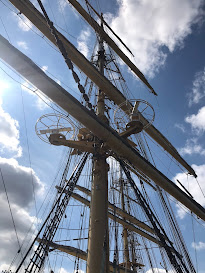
(168, 42)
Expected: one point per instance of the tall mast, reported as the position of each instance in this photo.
(98, 243)
(125, 233)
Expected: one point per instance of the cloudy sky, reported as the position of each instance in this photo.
(167, 40)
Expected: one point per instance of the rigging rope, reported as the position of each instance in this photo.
(200, 187)
(65, 55)
(194, 237)
(29, 155)
(174, 228)
(5, 29)
(12, 217)
(27, 233)
(52, 223)
(157, 226)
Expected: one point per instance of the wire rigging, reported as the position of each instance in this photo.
(194, 237)
(5, 29)
(35, 91)
(9, 205)
(29, 155)
(200, 187)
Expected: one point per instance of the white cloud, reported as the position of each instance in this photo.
(19, 188)
(62, 4)
(4, 267)
(198, 246)
(192, 147)
(147, 26)
(83, 42)
(3, 86)
(197, 121)
(23, 222)
(180, 127)
(22, 44)
(192, 186)
(20, 181)
(23, 23)
(181, 210)
(9, 134)
(198, 89)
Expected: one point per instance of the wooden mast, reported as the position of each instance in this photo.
(125, 232)
(98, 242)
